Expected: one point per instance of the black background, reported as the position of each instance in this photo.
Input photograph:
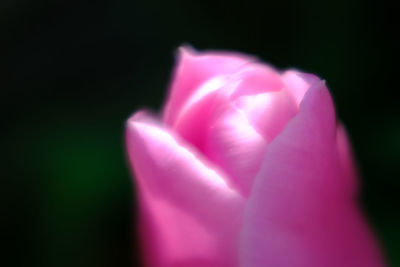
(75, 70)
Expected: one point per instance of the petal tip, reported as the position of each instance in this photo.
(184, 51)
(141, 117)
(137, 117)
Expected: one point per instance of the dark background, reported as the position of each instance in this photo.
(75, 70)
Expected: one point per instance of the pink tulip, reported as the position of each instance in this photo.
(248, 166)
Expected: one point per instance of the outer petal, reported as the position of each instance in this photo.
(297, 214)
(346, 160)
(194, 69)
(189, 215)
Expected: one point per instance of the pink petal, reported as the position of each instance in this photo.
(206, 102)
(269, 112)
(234, 145)
(189, 214)
(346, 160)
(200, 109)
(297, 214)
(257, 78)
(298, 83)
(194, 69)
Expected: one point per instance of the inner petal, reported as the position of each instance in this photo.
(257, 78)
(192, 70)
(249, 85)
(269, 112)
(234, 145)
(201, 107)
(298, 83)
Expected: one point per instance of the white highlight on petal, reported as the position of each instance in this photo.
(254, 105)
(207, 88)
(241, 127)
(255, 108)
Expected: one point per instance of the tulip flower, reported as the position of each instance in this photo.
(246, 166)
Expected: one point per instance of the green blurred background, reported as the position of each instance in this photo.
(75, 70)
